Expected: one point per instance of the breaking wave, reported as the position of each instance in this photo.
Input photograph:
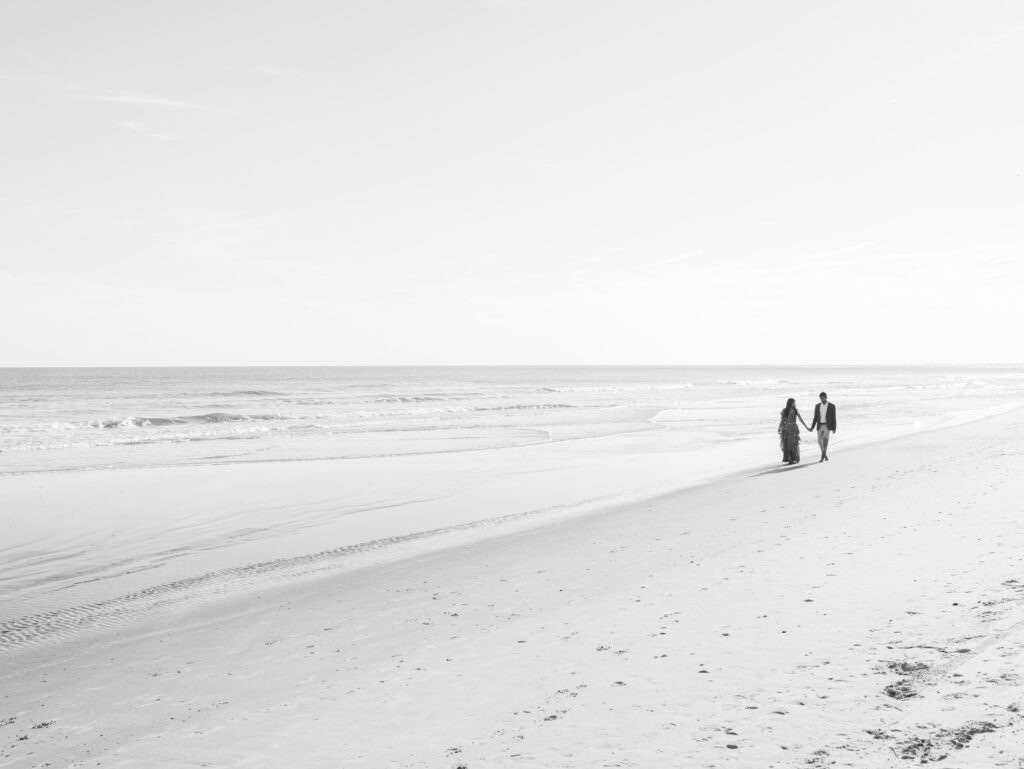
(412, 399)
(214, 418)
(529, 406)
(620, 388)
(235, 393)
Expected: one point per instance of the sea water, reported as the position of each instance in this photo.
(154, 482)
(85, 419)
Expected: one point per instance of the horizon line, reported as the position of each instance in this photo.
(515, 365)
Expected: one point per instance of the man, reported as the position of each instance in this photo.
(825, 421)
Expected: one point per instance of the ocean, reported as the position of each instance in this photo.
(123, 490)
(109, 418)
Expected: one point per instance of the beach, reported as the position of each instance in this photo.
(404, 386)
(864, 612)
(126, 491)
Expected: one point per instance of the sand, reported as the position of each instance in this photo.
(867, 612)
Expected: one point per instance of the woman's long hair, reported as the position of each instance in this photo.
(790, 407)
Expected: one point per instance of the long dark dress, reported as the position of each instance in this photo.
(789, 437)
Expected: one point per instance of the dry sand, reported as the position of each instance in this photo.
(867, 612)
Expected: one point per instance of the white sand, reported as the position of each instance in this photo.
(756, 621)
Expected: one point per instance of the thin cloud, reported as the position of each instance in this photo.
(831, 254)
(86, 93)
(142, 128)
(631, 270)
(982, 46)
(266, 69)
(139, 99)
(673, 259)
(993, 259)
(972, 49)
(52, 82)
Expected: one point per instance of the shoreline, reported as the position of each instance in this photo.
(242, 576)
(656, 425)
(875, 611)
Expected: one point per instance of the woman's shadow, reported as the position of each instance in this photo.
(783, 469)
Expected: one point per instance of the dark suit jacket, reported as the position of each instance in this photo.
(830, 416)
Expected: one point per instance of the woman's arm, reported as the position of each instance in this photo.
(800, 417)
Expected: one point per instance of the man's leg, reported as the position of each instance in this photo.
(823, 442)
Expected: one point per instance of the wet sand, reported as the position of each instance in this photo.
(860, 613)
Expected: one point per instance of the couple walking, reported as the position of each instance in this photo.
(789, 434)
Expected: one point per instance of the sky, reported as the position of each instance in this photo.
(510, 182)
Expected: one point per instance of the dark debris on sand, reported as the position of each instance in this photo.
(937, 746)
(907, 668)
(901, 690)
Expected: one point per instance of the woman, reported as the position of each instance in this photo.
(789, 433)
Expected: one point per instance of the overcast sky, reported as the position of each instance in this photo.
(510, 181)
